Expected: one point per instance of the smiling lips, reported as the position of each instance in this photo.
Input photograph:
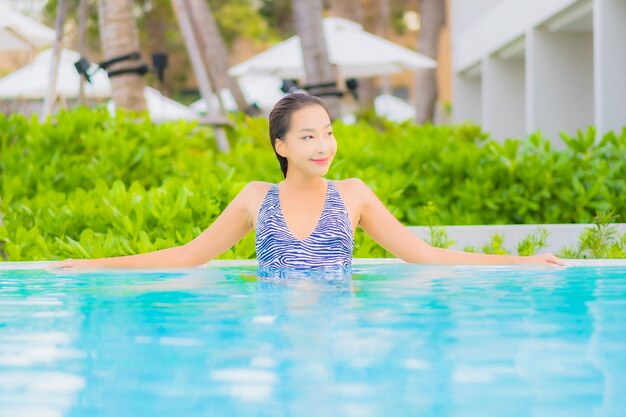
(321, 161)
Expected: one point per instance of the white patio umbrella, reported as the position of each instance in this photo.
(31, 81)
(18, 32)
(393, 108)
(162, 108)
(262, 90)
(200, 106)
(355, 53)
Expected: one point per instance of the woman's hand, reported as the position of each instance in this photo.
(543, 259)
(74, 264)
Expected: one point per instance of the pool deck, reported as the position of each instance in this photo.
(355, 261)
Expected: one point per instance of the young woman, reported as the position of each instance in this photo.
(305, 220)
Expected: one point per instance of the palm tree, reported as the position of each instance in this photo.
(189, 29)
(119, 36)
(216, 52)
(82, 44)
(318, 70)
(51, 93)
(348, 9)
(382, 16)
(433, 19)
(353, 10)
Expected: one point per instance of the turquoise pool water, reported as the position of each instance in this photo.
(392, 340)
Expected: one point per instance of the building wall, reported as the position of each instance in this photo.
(548, 65)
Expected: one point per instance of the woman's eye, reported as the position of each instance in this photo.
(330, 133)
(308, 137)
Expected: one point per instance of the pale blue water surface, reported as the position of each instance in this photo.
(384, 340)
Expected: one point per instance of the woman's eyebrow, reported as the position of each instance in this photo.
(308, 129)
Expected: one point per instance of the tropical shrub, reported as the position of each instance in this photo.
(599, 241)
(86, 184)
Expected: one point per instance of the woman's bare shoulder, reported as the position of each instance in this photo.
(251, 197)
(353, 190)
(255, 190)
(259, 185)
(351, 185)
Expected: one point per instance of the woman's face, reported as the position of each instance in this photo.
(309, 145)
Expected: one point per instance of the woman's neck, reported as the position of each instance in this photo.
(297, 181)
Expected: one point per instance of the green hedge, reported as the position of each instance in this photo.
(87, 185)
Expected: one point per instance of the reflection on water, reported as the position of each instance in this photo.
(389, 339)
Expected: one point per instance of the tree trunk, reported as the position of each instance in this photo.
(199, 68)
(318, 70)
(51, 94)
(216, 52)
(82, 45)
(433, 16)
(348, 9)
(353, 10)
(382, 28)
(119, 36)
(204, 51)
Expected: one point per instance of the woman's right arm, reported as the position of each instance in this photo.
(229, 228)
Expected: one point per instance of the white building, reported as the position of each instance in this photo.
(525, 65)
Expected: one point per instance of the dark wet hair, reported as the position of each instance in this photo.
(280, 118)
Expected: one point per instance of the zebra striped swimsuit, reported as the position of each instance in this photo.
(330, 244)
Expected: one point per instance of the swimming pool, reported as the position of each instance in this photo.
(388, 339)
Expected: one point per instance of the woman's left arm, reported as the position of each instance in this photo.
(384, 228)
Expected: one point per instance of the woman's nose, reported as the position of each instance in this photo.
(322, 146)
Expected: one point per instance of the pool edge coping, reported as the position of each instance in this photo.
(23, 265)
